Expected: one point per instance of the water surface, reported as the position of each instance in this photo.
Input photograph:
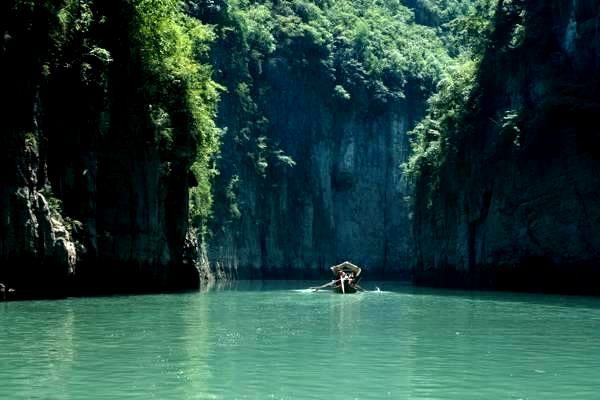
(267, 340)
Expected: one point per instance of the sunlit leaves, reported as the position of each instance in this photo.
(171, 43)
(430, 138)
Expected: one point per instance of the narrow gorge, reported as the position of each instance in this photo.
(318, 105)
(152, 145)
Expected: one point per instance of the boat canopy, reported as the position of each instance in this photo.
(346, 266)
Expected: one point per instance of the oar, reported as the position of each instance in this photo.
(316, 288)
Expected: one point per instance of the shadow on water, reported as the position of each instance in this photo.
(404, 287)
(501, 296)
(372, 287)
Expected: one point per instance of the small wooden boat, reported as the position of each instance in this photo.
(344, 288)
(346, 277)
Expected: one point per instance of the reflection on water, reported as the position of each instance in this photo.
(254, 340)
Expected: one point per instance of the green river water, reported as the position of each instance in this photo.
(267, 340)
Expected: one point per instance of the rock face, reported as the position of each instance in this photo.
(343, 198)
(35, 244)
(310, 173)
(87, 196)
(518, 204)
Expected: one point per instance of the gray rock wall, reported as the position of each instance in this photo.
(343, 199)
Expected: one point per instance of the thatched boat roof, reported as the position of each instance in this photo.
(346, 266)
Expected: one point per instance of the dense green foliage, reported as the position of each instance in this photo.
(146, 58)
(183, 95)
(432, 138)
(447, 108)
(364, 57)
(372, 46)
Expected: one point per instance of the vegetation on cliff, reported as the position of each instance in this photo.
(181, 93)
(137, 87)
(365, 57)
(111, 119)
(503, 166)
(71, 43)
(468, 37)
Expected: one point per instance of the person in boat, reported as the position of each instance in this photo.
(351, 281)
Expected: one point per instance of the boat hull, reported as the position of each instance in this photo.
(347, 289)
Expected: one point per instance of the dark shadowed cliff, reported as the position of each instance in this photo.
(512, 197)
(98, 137)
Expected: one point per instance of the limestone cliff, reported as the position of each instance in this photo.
(516, 201)
(343, 199)
(89, 195)
(310, 172)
